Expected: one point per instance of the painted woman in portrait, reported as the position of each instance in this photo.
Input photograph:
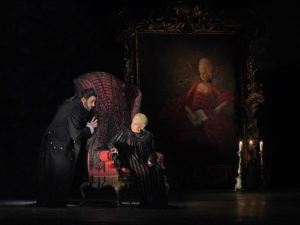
(201, 113)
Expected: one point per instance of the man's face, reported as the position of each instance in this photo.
(89, 103)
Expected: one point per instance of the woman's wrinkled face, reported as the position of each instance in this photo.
(136, 125)
(205, 69)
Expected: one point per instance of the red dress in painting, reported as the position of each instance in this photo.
(212, 131)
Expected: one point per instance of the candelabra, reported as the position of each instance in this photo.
(238, 184)
(262, 169)
(261, 160)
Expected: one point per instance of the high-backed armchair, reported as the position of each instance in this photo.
(117, 103)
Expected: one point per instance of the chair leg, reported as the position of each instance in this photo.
(117, 190)
(129, 196)
(82, 188)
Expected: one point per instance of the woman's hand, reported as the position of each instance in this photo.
(125, 170)
(218, 109)
(114, 151)
(149, 163)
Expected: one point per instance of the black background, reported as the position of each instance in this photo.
(44, 45)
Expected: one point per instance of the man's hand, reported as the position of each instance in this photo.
(93, 122)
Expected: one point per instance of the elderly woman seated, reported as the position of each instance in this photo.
(136, 151)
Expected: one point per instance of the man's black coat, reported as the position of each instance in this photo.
(63, 140)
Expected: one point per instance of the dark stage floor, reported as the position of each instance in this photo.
(188, 207)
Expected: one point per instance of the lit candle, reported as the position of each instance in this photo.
(240, 146)
(261, 146)
(250, 144)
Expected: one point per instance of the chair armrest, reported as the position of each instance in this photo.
(160, 160)
(105, 155)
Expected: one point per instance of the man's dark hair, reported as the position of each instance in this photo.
(87, 93)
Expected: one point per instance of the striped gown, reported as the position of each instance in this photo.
(135, 150)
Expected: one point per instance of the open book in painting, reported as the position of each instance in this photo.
(196, 117)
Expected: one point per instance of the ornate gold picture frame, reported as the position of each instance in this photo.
(162, 58)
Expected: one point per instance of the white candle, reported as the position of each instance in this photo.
(261, 146)
(240, 146)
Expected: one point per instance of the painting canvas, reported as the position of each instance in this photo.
(191, 94)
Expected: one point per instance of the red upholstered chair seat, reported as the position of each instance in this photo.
(104, 173)
(105, 165)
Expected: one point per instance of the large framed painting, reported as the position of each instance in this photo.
(193, 79)
(190, 92)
